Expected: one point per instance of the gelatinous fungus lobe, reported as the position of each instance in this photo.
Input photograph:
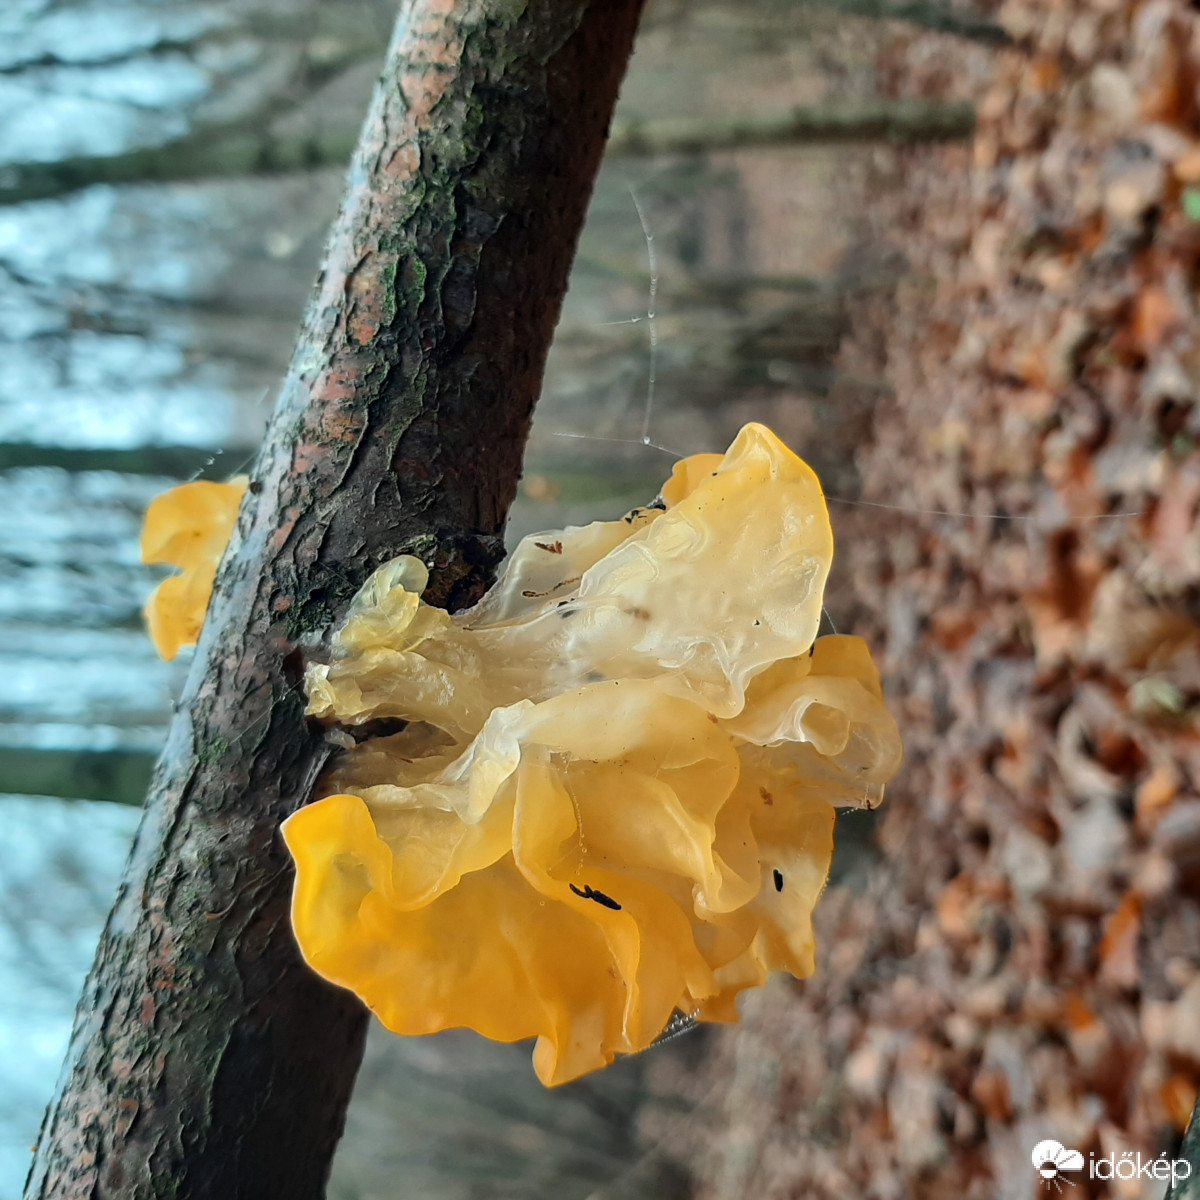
(188, 527)
(612, 791)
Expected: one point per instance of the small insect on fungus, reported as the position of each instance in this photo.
(590, 893)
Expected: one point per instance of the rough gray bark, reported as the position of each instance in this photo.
(206, 1060)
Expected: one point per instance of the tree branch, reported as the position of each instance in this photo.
(171, 462)
(206, 1059)
(233, 151)
(243, 150)
(935, 16)
(118, 776)
(870, 121)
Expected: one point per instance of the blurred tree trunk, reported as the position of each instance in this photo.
(206, 1060)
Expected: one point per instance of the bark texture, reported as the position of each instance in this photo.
(206, 1060)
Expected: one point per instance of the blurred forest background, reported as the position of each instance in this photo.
(951, 255)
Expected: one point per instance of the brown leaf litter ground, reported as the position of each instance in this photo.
(1024, 960)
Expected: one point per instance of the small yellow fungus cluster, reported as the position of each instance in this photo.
(611, 790)
(189, 527)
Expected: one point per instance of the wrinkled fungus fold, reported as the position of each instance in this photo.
(612, 791)
(188, 527)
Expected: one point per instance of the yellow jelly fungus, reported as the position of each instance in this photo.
(611, 793)
(189, 527)
(687, 474)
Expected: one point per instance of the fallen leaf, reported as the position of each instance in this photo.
(1118, 946)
